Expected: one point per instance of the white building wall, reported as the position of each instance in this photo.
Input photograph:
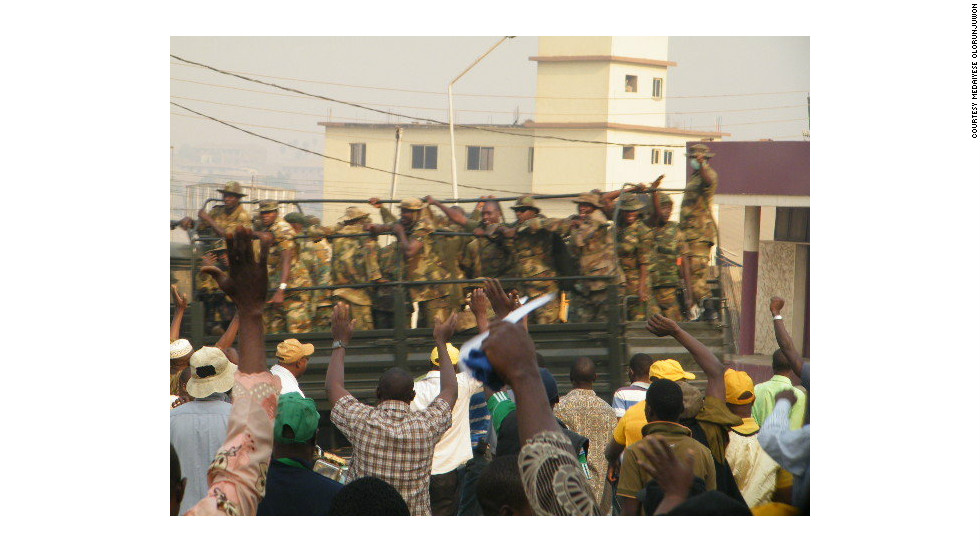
(572, 92)
(637, 108)
(575, 45)
(648, 47)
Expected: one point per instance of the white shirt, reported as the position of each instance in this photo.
(289, 383)
(454, 448)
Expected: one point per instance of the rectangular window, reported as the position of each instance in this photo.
(358, 155)
(658, 88)
(631, 83)
(654, 155)
(629, 152)
(668, 157)
(530, 159)
(424, 157)
(479, 158)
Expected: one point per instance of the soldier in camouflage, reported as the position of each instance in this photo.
(591, 240)
(531, 239)
(308, 257)
(488, 254)
(355, 261)
(667, 245)
(218, 308)
(697, 223)
(422, 262)
(284, 312)
(633, 245)
(391, 263)
(323, 302)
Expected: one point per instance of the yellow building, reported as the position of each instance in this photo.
(599, 123)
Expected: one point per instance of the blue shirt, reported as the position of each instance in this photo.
(297, 491)
(197, 431)
(479, 419)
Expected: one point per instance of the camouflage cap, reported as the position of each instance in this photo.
(589, 199)
(312, 221)
(664, 199)
(526, 201)
(354, 213)
(296, 218)
(411, 203)
(267, 205)
(630, 202)
(233, 188)
(699, 148)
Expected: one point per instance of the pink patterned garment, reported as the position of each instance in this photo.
(237, 474)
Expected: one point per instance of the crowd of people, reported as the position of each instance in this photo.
(243, 435)
(615, 239)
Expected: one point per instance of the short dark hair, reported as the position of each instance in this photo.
(666, 399)
(500, 485)
(396, 384)
(368, 496)
(780, 362)
(583, 370)
(640, 364)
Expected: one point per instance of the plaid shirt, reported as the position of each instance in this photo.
(393, 444)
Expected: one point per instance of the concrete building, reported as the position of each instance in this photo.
(599, 123)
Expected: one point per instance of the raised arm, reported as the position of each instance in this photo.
(448, 386)
(713, 368)
(343, 329)
(228, 338)
(451, 214)
(783, 339)
(181, 302)
(386, 216)
(410, 248)
(479, 305)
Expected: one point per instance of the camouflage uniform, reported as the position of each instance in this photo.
(390, 261)
(667, 246)
(592, 244)
(354, 261)
(218, 308)
(491, 256)
(633, 247)
(698, 225)
(535, 258)
(323, 305)
(216, 304)
(451, 250)
(293, 316)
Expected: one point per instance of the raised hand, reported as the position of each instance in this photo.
(375, 202)
(656, 183)
(674, 475)
(510, 351)
(787, 394)
(247, 279)
(502, 303)
(443, 330)
(341, 324)
(776, 304)
(479, 303)
(661, 326)
(179, 300)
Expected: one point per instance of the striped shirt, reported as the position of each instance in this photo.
(625, 397)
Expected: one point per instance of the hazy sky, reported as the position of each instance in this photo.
(765, 80)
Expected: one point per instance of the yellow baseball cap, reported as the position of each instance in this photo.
(669, 369)
(453, 354)
(292, 350)
(736, 384)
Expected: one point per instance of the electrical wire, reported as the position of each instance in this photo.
(426, 119)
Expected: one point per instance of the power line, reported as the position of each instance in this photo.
(329, 157)
(426, 119)
(415, 91)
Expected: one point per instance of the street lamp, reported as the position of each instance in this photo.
(452, 133)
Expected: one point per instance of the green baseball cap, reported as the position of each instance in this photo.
(296, 218)
(300, 414)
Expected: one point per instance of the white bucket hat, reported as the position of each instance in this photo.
(179, 348)
(211, 372)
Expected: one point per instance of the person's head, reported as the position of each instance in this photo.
(368, 496)
(669, 369)
(453, 356)
(585, 209)
(655, 493)
(640, 367)
(211, 372)
(180, 355)
(664, 205)
(354, 215)
(739, 392)
(693, 399)
(587, 203)
(268, 211)
(294, 356)
(491, 213)
(297, 221)
(665, 401)
(583, 373)
(629, 217)
(525, 208)
(411, 211)
(178, 483)
(550, 386)
(231, 195)
(499, 489)
(220, 252)
(296, 426)
(396, 384)
(781, 364)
